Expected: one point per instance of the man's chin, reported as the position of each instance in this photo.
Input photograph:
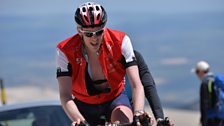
(95, 48)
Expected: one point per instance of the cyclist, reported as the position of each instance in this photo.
(91, 66)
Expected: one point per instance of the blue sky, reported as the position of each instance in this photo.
(152, 6)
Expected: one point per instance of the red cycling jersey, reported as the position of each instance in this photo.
(110, 59)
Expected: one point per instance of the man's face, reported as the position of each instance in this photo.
(200, 74)
(92, 37)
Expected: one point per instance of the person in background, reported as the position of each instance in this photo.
(91, 67)
(202, 70)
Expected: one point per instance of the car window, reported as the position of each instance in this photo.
(35, 116)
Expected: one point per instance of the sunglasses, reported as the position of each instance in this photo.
(90, 34)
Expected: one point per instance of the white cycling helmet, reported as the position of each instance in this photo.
(201, 66)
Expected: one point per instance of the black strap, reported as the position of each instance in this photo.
(99, 81)
(91, 89)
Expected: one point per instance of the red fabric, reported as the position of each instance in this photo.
(110, 57)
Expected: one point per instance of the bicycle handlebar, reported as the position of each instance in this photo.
(162, 123)
(113, 124)
(125, 124)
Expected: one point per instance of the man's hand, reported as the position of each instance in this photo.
(80, 123)
(165, 122)
(142, 120)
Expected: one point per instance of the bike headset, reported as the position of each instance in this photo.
(90, 15)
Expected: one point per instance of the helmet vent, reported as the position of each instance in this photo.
(97, 8)
(98, 17)
(84, 9)
(90, 9)
(86, 18)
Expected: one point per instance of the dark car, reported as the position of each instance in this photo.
(44, 113)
